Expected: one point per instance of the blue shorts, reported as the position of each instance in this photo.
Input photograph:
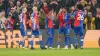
(78, 30)
(67, 31)
(61, 30)
(36, 32)
(23, 33)
(50, 31)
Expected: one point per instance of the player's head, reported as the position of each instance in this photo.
(35, 8)
(44, 4)
(51, 10)
(80, 7)
(73, 8)
(24, 10)
(9, 16)
(61, 10)
(66, 9)
(12, 9)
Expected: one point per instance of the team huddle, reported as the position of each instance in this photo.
(65, 18)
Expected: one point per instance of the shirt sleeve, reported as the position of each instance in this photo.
(74, 14)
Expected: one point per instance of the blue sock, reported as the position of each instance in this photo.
(76, 40)
(41, 44)
(58, 43)
(19, 43)
(31, 43)
(66, 41)
(69, 39)
(81, 40)
(47, 40)
(51, 41)
(22, 43)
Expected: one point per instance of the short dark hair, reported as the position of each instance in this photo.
(67, 8)
(80, 6)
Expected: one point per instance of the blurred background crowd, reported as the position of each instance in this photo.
(11, 9)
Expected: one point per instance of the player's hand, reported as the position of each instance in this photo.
(11, 22)
(33, 28)
(46, 27)
(25, 29)
(64, 24)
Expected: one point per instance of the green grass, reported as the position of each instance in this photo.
(55, 52)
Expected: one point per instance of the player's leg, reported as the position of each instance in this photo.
(59, 37)
(81, 37)
(69, 38)
(51, 37)
(66, 39)
(32, 39)
(59, 41)
(22, 38)
(25, 36)
(48, 39)
(21, 42)
(76, 30)
(40, 39)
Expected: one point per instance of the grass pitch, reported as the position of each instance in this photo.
(49, 52)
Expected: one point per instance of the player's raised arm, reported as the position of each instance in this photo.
(73, 15)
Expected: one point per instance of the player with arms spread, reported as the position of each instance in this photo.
(78, 25)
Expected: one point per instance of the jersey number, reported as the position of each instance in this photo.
(80, 17)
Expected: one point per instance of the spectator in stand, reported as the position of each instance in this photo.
(2, 7)
(45, 8)
(54, 5)
(85, 20)
(2, 20)
(94, 5)
(42, 16)
(11, 3)
(18, 7)
(9, 23)
(97, 20)
(83, 2)
(14, 17)
(92, 19)
(24, 5)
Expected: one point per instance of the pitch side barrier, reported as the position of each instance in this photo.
(9, 39)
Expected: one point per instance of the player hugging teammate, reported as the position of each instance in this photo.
(65, 18)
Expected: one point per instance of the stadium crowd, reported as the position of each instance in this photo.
(11, 9)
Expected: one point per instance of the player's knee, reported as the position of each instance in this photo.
(50, 35)
(76, 35)
(67, 35)
(81, 34)
(59, 35)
